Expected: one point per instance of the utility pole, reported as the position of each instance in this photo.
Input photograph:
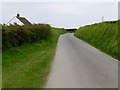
(102, 18)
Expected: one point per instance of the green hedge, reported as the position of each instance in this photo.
(103, 36)
(16, 35)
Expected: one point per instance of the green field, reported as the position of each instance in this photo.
(103, 36)
(28, 65)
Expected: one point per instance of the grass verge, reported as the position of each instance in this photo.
(28, 66)
(103, 36)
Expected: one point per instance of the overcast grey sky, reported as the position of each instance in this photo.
(61, 14)
(59, 0)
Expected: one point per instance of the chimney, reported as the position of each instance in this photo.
(18, 15)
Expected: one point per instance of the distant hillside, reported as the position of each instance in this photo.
(103, 36)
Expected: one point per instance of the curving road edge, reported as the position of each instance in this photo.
(79, 65)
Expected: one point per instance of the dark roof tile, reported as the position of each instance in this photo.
(24, 20)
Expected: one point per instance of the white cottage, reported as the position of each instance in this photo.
(19, 20)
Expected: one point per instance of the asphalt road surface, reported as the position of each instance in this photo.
(79, 65)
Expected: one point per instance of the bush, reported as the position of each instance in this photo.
(16, 35)
(103, 36)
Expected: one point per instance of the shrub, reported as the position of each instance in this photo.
(103, 36)
(16, 35)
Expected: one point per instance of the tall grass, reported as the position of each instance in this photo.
(27, 54)
(103, 36)
(28, 65)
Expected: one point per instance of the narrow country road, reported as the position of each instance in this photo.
(79, 65)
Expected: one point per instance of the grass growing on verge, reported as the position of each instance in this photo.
(103, 36)
(0, 70)
(28, 66)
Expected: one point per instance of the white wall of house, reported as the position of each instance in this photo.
(15, 20)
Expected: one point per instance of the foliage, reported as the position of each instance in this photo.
(16, 35)
(103, 36)
(28, 65)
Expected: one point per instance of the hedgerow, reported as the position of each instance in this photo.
(103, 36)
(16, 35)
